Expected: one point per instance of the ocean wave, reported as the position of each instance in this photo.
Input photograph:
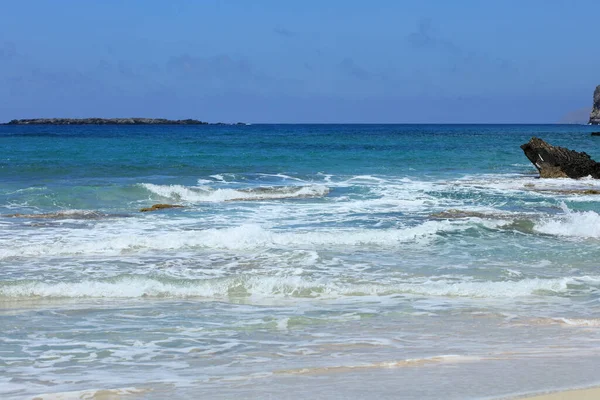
(410, 362)
(201, 194)
(520, 183)
(581, 224)
(243, 237)
(567, 322)
(257, 287)
(585, 322)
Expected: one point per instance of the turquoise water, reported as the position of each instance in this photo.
(308, 261)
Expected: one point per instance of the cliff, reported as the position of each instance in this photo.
(595, 114)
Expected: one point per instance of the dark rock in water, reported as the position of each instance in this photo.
(595, 133)
(74, 214)
(105, 121)
(458, 214)
(583, 192)
(558, 162)
(157, 207)
(595, 114)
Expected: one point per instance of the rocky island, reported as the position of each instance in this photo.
(111, 121)
(595, 114)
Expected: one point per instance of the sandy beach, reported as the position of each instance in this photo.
(578, 394)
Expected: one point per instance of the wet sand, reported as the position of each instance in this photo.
(580, 394)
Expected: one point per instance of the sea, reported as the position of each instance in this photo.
(306, 262)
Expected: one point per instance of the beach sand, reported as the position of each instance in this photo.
(580, 394)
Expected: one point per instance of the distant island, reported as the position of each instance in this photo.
(112, 121)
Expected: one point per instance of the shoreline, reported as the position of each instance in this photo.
(590, 393)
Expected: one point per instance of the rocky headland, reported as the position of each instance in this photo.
(595, 114)
(111, 121)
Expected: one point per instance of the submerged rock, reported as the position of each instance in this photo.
(157, 207)
(595, 114)
(457, 214)
(569, 191)
(460, 214)
(65, 215)
(559, 162)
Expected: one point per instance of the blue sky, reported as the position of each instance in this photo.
(385, 61)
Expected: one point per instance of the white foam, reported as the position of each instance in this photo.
(520, 183)
(218, 177)
(488, 289)
(283, 177)
(282, 323)
(259, 287)
(247, 236)
(91, 394)
(410, 362)
(202, 194)
(593, 322)
(366, 178)
(583, 224)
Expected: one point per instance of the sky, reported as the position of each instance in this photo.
(300, 61)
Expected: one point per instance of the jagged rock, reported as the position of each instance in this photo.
(105, 121)
(595, 114)
(558, 162)
(157, 207)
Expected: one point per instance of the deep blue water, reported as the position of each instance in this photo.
(35, 152)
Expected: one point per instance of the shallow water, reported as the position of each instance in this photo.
(308, 261)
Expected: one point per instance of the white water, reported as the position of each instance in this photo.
(581, 224)
(280, 286)
(204, 194)
(339, 279)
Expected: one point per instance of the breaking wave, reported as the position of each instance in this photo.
(410, 362)
(582, 224)
(243, 237)
(141, 286)
(201, 194)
